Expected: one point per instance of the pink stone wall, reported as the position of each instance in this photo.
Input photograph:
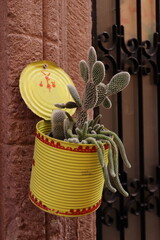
(32, 30)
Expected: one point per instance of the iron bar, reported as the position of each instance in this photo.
(157, 4)
(157, 10)
(94, 24)
(120, 120)
(96, 110)
(94, 38)
(141, 130)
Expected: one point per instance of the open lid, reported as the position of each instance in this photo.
(42, 84)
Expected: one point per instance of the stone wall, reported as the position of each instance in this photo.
(33, 30)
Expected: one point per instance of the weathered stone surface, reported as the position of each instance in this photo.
(33, 30)
(55, 228)
(25, 17)
(51, 20)
(87, 227)
(79, 36)
(21, 51)
(16, 106)
(18, 46)
(51, 52)
(21, 218)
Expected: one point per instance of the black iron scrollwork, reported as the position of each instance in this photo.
(130, 62)
(129, 52)
(139, 58)
(110, 213)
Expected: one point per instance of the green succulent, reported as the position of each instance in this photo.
(85, 131)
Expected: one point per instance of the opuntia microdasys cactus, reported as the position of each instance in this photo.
(90, 131)
(95, 92)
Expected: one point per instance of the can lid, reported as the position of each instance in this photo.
(42, 84)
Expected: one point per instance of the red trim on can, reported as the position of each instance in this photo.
(58, 145)
(71, 212)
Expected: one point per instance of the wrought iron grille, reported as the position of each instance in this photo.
(139, 58)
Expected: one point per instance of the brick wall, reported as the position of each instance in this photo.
(32, 30)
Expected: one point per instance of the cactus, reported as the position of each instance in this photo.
(84, 71)
(66, 105)
(95, 92)
(57, 121)
(98, 72)
(90, 96)
(84, 131)
(107, 103)
(118, 82)
(92, 57)
(101, 89)
(74, 94)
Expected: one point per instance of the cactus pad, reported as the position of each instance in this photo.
(74, 94)
(57, 120)
(90, 96)
(84, 70)
(118, 82)
(98, 72)
(92, 57)
(107, 103)
(101, 89)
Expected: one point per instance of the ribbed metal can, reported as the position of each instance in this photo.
(66, 178)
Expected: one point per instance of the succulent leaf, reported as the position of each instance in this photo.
(92, 57)
(60, 105)
(72, 140)
(96, 127)
(84, 129)
(120, 146)
(68, 123)
(119, 187)
(101, 89)
(117, 83)
(68, 105)
(57, 119)
(99, 150)
(71, 105)
(110, 161)
(107, 180)
(69, 117)
(98, 72)
(79, 133)
(58, 116)
(74, 94)
(107, 103)
(84, 70)
(90, 122)
(97, 119)
(84, 142)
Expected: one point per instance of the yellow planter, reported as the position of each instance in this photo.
(66, 178)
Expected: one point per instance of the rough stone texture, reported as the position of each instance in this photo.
(32, 30)
(19, 46)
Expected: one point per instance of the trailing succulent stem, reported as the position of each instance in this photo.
(84, 131)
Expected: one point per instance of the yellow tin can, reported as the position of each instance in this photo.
(66, 178)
